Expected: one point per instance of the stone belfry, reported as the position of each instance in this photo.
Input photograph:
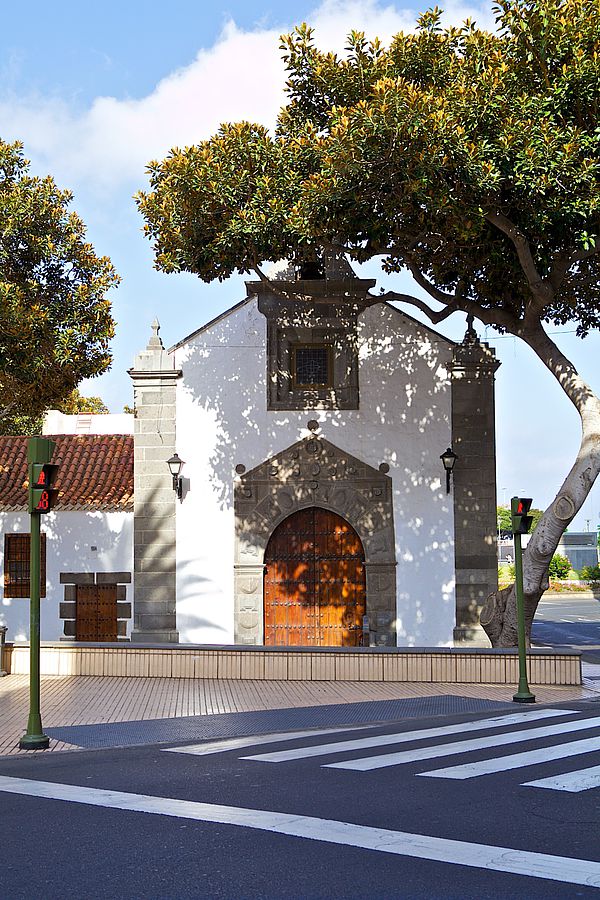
(154, 533)
(474, 482)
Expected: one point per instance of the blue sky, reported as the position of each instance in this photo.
(96, 92)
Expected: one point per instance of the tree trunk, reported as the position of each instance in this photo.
(498, 615)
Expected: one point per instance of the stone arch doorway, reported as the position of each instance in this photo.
(314, 473)
(314, 582)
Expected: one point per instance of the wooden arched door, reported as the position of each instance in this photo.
(314, 582)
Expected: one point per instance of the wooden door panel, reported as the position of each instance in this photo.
(107, 612)
(96, 612)
(314, 582)
(86, 613)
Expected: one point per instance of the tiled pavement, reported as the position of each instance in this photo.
(83, 710)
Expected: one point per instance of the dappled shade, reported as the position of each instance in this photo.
(314, 582)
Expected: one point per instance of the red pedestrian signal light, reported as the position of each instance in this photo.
(42, 496)
(519, 507)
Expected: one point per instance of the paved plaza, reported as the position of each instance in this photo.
(84, 711)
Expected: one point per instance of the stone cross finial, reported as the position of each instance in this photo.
(155, 342)
(154, 358)
(470, 334)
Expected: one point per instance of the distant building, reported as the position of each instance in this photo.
(580, 548)
(56, 422)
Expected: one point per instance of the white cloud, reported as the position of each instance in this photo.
(240, 77)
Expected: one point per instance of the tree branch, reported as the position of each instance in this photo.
(540, 289)
(440, 296)
(571, 382)
(460, 303)
(6, 410)
(451, 303)
(433, 315)
(564, 261)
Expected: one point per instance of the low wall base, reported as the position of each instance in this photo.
(450, 665)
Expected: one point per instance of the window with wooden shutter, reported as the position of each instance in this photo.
(16, 565)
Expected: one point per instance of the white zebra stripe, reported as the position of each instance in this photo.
(252, 740)
(368, 763)
(574, 782)
(404, 737)
(381, 840)
(516, 760)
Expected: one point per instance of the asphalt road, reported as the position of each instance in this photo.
(304, 820)
(570, 621)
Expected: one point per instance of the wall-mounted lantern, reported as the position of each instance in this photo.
(448, 457)
(175, 465)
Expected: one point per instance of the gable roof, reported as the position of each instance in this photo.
(96, 472)
(441, 338)
(212, 322)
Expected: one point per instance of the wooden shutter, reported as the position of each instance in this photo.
(16, 565)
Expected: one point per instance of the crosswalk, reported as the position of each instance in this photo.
(428, 745)
(367, 764)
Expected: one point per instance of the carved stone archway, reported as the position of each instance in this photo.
(314, 472)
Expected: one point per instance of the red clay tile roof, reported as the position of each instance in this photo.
(96, 472)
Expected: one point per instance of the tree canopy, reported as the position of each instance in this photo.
(55, 319)
(469, 158)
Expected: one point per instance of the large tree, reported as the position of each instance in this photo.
(469, 158)
(55, 319)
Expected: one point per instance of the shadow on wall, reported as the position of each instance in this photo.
(157, 568)
(403, 420)
(195, 608)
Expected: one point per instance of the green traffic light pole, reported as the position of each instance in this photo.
(523, 694)
(38, 450)
(34, 738)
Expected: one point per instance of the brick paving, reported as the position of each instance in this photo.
(85, 700)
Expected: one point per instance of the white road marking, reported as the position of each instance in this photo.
(406, 736)
(516, 760)
(574, 782)
(367, 763)
(252, 740)
(399, 843)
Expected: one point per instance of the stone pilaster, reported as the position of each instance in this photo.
(381, 603)
(474, 483)
(248, 590)
(154, 533)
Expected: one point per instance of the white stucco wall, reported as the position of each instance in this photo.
(56, 422)
(403, 420)
(70, 537)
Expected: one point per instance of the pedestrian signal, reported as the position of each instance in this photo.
(42, 496)
(519, 507)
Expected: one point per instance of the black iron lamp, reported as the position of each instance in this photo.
(175, 465)
(448, 457)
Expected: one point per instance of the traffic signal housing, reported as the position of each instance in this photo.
(42, 496)
(519, 507)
